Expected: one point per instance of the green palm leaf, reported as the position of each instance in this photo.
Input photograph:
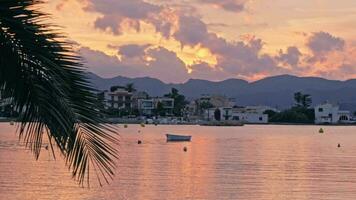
(46, 81)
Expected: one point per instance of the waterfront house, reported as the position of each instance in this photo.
(146, 107)
(251, 114)
(120, 98)
(328, 113)
(244, 114)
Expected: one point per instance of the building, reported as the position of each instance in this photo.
(252, 118)
(120, 98)
(145, 106)
(136, 97)
(148, 106)
(217, 100)
(244, 114)
(225, 113)
(328, 113)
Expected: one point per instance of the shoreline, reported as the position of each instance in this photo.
(139, 122)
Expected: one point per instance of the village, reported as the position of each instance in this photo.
(125, 104)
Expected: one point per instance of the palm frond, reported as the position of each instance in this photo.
(46, 81)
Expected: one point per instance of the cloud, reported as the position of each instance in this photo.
(154, 62)
(117, 15)
(291, 57)
(234, 58)
(132, 50)
(192, 31)
(322, 43)
(228, 5)
(206, 72)
(105, 65)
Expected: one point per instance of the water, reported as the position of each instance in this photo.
(250, 162)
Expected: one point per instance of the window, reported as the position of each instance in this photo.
(260, 118)
(343, 118)
(320, 109)
(235, 118)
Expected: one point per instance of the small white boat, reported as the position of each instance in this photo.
(178, 138)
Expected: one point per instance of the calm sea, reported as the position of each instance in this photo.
(249, 162)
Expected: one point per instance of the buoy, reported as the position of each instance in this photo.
(321, 130)
(125, 126)
(185, 149)
(338, 145)
(142, 125)
(139, 142)
(12, 123)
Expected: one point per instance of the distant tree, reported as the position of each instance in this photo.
(217, 114)
(115, 87)
(179, 101)
(294, 115)
(270, 113)
(299, 113)
(302, 100)
(206, 105)
(160, 111)
(130, 87)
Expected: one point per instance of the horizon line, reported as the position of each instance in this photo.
(218, 81)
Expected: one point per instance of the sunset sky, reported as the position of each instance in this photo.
(175, 40)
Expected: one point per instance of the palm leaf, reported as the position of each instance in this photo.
(46, 82)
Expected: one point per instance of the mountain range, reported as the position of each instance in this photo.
(276, 91)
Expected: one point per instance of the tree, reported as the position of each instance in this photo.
(48, 87)
(204, 105)
(160, 111)
(179, 101)
(270, 113)
(115, 87)
(302, 100)
(130, 87)
(217, 114)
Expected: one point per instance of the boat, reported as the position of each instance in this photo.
(178, 138)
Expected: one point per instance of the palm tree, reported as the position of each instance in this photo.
(48, 88)
(130, 87)
(302, 100)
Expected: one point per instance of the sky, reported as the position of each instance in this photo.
(177, 40)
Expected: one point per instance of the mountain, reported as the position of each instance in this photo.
(276, 91)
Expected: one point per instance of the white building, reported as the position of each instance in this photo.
(328, 113)
(246, 115)
(252, 118)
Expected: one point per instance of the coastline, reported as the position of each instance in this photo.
(138, 122)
